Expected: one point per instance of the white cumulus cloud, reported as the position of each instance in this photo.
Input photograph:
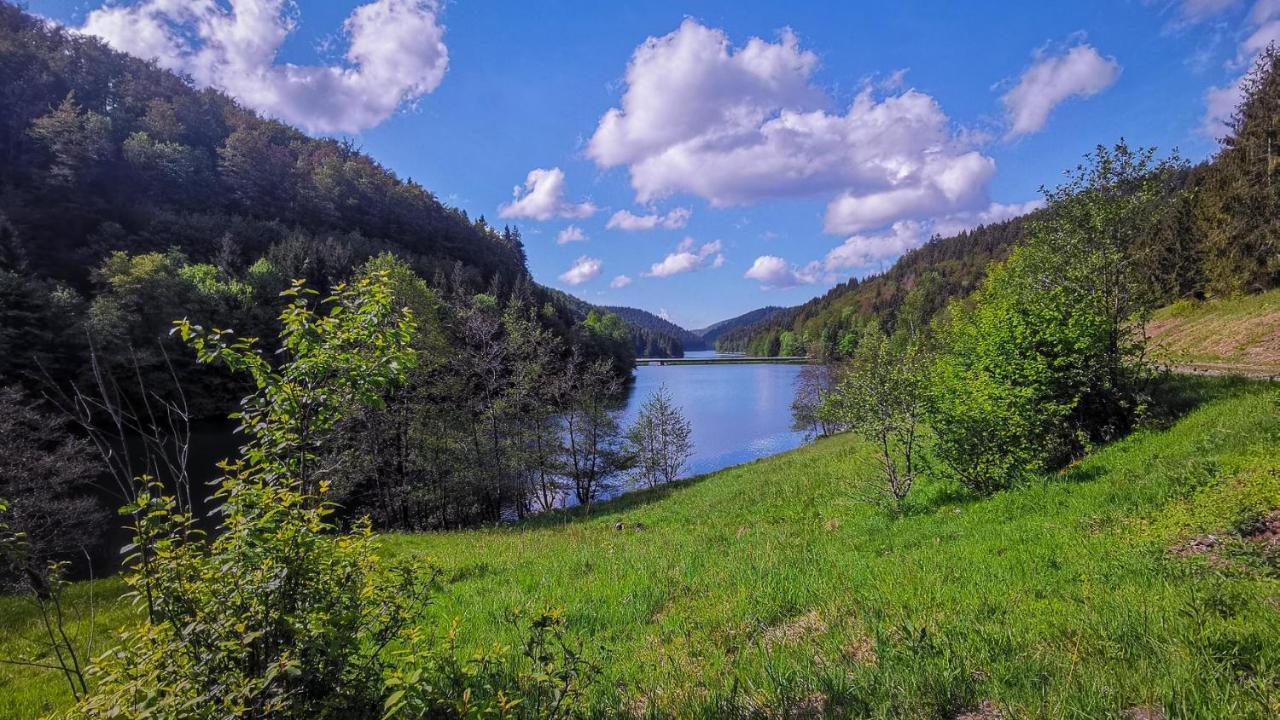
(541, 197)
(735, 125)
(620, 281)
(1079, 72)
(583, 270)
(946, 184)
(573, 233)
(627, 220)
(395, 55)
(688, 258)
(774, 272)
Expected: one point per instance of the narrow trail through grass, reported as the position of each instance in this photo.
(769, 589)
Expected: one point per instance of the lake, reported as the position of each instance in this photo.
(738, 412)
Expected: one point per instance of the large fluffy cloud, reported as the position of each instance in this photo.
(736, 125)
(627, 220)
(1079, 72)
(541, 197)
(948, 184)
(395, 55)
(686, 259)
(583, 269)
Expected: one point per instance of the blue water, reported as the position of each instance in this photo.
(738, 412)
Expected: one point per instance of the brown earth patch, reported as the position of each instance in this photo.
(1144, 712)
(861, 650)
(986, 710)
(810, 706)
(795, 630)
(1265, 534)
(1262, 535)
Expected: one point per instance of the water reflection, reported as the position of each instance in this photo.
(738, 412)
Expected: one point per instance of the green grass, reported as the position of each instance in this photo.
(768, 589)
(1242, 332)
(96, 610)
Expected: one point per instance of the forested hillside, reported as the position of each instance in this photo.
(656, 337)
(100, 151)
(1221, 237)
(128, 198)
(919, 284)
(711, 333)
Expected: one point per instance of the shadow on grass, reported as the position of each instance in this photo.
(601, 511)
(1174, 395)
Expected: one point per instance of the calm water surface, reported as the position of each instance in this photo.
(738, 412)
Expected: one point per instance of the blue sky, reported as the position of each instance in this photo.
(773, 148)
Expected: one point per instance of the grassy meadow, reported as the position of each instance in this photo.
(771, 590)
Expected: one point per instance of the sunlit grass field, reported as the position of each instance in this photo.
(771, 590)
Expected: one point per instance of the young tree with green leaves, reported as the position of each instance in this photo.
(1046, 359)
(76, 140)
(593, 453)
(660, 440)
(881, 398)
(277, 614)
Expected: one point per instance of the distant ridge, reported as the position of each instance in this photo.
(644, 320)
(712, 332)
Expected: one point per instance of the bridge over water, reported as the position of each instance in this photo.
(727, 360)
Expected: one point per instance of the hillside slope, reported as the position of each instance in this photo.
(1238, 334)
(129, 197)
(652, 344)
(101, 151)
(711, 333)
(921, 282)
(771, 588)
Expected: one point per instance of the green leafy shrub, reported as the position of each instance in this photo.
(277, 615)
(990, 404)
(1045, 361)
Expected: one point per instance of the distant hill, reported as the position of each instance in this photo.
(651, 335)
(711, 333)
(651, 343)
